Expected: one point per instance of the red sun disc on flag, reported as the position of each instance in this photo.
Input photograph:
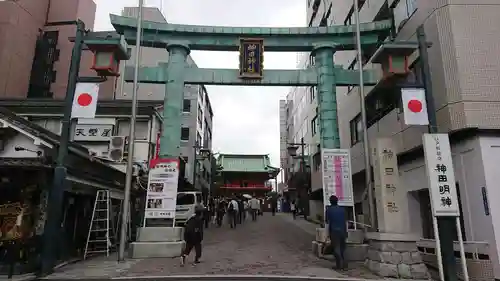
(415, 106)
(84, 99)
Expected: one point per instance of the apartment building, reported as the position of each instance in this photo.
(197, 114)
(465, 72)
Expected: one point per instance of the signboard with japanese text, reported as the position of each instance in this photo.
(88, 132)
(442, 186)
(390, 197)
(251, 58)
(161, 198)
(336, 165)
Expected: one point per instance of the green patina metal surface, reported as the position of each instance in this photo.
(245, 163)
(172, 106)
(271, 77)
(327, 97)
(180, 39)
(279, 39)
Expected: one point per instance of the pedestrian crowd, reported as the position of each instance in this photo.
(234, 210)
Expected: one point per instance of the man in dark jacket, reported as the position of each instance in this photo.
(193, 235)
(336, 220)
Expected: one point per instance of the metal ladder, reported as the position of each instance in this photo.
(99, 238)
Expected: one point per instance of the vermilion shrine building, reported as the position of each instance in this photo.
(245, 174)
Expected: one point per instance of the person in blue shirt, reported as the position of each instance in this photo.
(336, 219)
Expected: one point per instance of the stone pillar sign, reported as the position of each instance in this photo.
(392, 252)
(390, 198)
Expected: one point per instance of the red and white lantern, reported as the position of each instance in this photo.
(414, 107)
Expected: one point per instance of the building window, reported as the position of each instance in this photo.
(356, 127)
(312, 93)
(184, 134)
(314, 125)
(141, 129)
(186, 106)
(312, 60)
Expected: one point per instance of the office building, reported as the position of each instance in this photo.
(34, 46)
(465, 69)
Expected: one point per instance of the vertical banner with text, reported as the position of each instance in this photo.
(442, 186)
(162, 188)
(337, 179)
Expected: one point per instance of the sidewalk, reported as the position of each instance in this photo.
(98, 267)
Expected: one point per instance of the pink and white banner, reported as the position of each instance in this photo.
(337, 179)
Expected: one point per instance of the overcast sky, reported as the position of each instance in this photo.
(246, 119)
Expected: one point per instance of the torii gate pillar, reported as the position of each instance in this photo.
(174, 95)
(327, 96)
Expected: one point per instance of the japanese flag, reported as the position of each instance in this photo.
(85, 100)
(414, 107)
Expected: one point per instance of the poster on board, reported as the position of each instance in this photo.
(336, 164)
(162, 188)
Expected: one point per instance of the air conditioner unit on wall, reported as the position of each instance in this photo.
(116, 148)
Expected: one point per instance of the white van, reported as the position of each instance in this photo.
(186, 203)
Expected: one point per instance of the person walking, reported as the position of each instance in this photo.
(336, 219)
(241, 210)
(293, 209)
(193, 235)
(232, 212)
(221, 210)
(254, 207)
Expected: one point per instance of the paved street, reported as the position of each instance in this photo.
(271, 246)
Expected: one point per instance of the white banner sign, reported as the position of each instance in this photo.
(161, 198)
(336, 164)
(442, 188)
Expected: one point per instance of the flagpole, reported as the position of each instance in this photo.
(131, 137)
(366, 145)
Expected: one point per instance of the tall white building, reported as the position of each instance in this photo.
(197, 115)
(465, 69)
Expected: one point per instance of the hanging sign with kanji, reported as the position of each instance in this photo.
(439, 164)
(85, 100)
(90, 132)
(414, 106)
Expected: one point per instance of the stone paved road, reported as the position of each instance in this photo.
(275, 245)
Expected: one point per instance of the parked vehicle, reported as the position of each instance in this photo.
(186, 203)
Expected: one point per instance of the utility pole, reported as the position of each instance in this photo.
(56, 194)
(444, 224)
(366, 144)
(131, 139)
(195, 165)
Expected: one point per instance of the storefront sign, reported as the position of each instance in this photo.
(162, 188)
(337, 176)
(88, 132)
(439, 165)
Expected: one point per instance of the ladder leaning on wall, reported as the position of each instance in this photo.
(99, 236)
